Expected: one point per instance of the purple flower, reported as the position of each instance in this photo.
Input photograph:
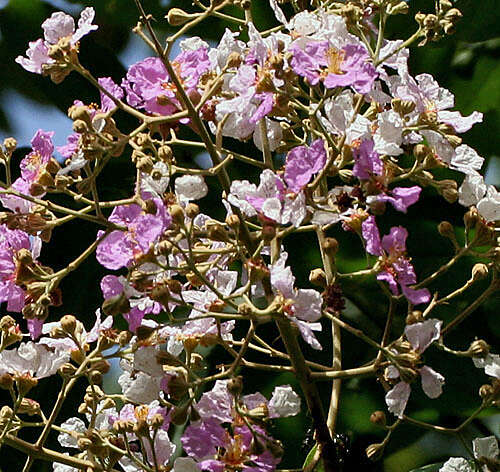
(367, 162)
(349, 66)
(34, 163)
(402, 197)
(120, 248)
(107, 84)
(302, 163)
(397, 269)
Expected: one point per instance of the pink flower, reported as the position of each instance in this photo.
(349, 66)
(302, 163)
(367, 162)
(120, 248)
(397, 269)
(58, 26)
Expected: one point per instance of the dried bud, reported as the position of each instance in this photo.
(318, 277)
(330, 246)
(141, 428)
(235, 386)
(165, 153)
(67, 370)
(29, 407)
(192, 210)
(414, 317)
(6, 381)
(430, 21)
(10, 144)
(374, 452)
(233, 221)
(79, 126)
(486, 391)
(123, 426)
(378, 418)
(25, 383)
(178, 17)
(177, 214)
(479, 348)
(446, 230)
(448, 189)
(217, 232)
(7, 322)
(234, 60)
(268, 232)
(145, 164)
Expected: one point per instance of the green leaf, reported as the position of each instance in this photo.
(319, 466)
(429, 468)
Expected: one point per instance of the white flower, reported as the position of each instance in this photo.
(482, 447)
(284, 402)
(486, 198)
(193, 44)
(274, 135)
(304, 23)
(466, 160)
(77, 427)
(389, 134)
(420, 336)
(190, 187)
(142, 388)
(60, 25)
(490, 364)
(33, 359)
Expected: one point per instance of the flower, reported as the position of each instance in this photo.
(483, 448)
(486, 198)
(302, 163)
(420, 336)
(119, 248)
(190, 187)
(58, 26)
(397, 269)
(302, 306)
(336, 67)
(33, 360)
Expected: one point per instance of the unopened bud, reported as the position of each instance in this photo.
(67, 370)
(68, 324)
(414, 317)
(180, 414)
(9, 144)
(178, 17)
(401, 8)
(256, 446)
(83, 443)
(192, 210)
(29, 407)
(449, 190)
(479, 271)
(233, 60)
(79, 126)
(374, 452)
(446, 230)
(330, 246)
(7, 322)
(165, 358)
(6, 381)
(217, 232)
(453, 15)
(95, 377)
(233, 221)
(25, 383)
(378, 418)
(141, 428)
(157, 421)
(486, 391)
(145, 164)
(165, 153)
(177, 387)
(177, 214)
(268, 232)
(235, 385)
(318, 277)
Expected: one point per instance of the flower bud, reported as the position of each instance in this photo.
(177, 387)
(374, 452)
(479, 271)
(6, 381)
(180, 414)
(233, 60)
(446, 230)
(165, 153)
(116, 305)
(471, 218)
(486, 391)
(378, 418)
(414, 317)
(25, 383)
(67, 370)
(83, 443)
(178, 17)
(401, 8)
(318, 277)
(165, 358)
(9, 144)
(192, 210)
(235, 386)
(141, 428)
(79, 126)
(7, 322)
(95, 377)
(217, 232)
(330, 246)
(233, 221)
(479, 348)
(68, 324)
(177, 214)
(29, 407)
(256, 446)
(145, 164)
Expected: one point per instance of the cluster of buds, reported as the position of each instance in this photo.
(443, 22)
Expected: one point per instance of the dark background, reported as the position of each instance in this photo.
(466, 63)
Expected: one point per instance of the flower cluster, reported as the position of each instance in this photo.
(345, 137)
